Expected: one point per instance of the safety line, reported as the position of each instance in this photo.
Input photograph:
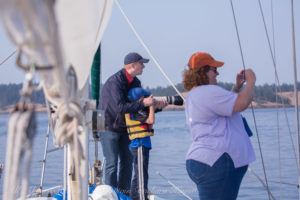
(148, 51)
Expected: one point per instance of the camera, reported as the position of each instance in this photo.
(174, 100)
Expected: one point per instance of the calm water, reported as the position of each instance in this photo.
(170, 144)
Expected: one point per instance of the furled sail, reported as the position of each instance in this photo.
(84, 23)
(57, 33)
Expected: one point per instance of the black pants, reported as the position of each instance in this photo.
(134, 190)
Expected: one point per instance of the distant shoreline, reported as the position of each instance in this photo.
(267, 104)
(42, 109)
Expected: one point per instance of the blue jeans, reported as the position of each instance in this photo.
(114, 146)
(219, 182)
(134, 191)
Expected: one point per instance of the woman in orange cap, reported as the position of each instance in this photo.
(221, 150)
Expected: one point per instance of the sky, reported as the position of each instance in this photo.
(175, 29)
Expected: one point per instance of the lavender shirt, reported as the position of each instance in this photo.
(215, 130)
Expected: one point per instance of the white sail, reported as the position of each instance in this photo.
(81, 27)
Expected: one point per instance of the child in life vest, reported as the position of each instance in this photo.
(139, 128)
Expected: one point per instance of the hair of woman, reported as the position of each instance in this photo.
(195, 77)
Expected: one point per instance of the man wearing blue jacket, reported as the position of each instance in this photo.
(115, 103)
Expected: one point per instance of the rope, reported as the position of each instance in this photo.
(25, 181)
(238, 36)
(174, 186)
(68, 130)
(260, 151)
(147, 49)
(285, 183)
(10, 55)
(277, 107)
(21, 131)
(9, 165)
(262, 182)
(252, 109)
(277, 80)
(278, 139)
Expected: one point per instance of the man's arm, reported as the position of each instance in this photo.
(119, 97)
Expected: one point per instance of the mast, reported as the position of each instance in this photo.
(95, 86)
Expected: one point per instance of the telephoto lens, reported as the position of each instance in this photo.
(174, 100)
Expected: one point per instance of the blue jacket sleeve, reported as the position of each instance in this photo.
(120, 98)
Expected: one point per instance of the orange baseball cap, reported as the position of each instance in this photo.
(201, 59)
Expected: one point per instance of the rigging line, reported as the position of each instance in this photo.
(273, 30)
(54, 149)
(277, 107)
(260, 151)
(276, 76)
(174, 186)
(257, 134)
(148, 51)
(285, 183)
(277, 79)
(278, 141)
(295, 84)
(262, 182)
(281, 182)
(238, 36)
(8, 57)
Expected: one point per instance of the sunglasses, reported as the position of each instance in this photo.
(213, 69)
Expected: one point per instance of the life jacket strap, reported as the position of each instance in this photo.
(142, 131)
(137, 125)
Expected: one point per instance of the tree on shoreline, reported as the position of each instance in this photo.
(10, 93)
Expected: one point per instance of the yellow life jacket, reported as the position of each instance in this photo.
(137, 129)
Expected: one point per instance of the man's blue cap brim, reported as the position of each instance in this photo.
(144, 60)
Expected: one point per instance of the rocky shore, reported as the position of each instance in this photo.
(265, 104)
(9, 109)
